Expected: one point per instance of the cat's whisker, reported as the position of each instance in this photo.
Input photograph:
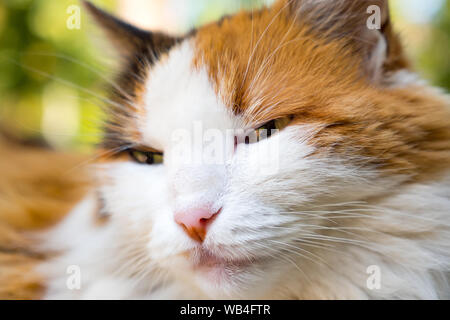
(70, 84)
(298, 253)
(316, 236)
(87, 67)
(135, 260)
(283, 257)
(104, 154)
(281, 45)
(360, 211)
(262, 36)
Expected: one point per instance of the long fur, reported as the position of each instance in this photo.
(357, 177)
(37, 188)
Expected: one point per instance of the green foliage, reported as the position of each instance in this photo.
(39, 51)
(435, 58)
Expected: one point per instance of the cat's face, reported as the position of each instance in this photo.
(235, 218)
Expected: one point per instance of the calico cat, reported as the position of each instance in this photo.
(336, 183)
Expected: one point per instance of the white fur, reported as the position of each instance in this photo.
(314, 225)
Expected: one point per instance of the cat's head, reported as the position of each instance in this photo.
(203, 192)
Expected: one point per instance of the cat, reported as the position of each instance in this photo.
(343, 194)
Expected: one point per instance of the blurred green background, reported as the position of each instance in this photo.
(51, 73)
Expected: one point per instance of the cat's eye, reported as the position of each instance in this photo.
(265, 131)
(147, 157)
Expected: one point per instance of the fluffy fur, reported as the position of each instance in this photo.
(37, 189)
(359, 175)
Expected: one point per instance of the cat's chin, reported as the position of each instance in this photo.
(210, 261)
(219, 270)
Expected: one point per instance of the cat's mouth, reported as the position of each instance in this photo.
(206, 260)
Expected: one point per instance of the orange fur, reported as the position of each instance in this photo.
(37, 188)
(267, 65)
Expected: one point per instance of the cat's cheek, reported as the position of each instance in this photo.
(133, 192)
(138, 198)
(302, 174)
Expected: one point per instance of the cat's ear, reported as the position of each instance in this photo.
(364, 23)
(129, 40)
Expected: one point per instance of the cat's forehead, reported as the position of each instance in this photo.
(177, 94)
(245, 68)
(264, 63)
(251, 56)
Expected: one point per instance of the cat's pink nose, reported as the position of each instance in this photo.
(195, 221)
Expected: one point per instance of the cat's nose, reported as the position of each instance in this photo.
(195, 221)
